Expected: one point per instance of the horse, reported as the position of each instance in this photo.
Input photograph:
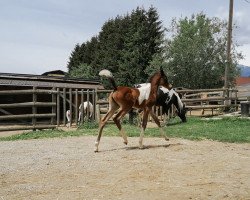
(127, 98)
(87, 108)
(165, 98)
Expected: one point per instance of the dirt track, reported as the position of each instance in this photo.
(68, 168)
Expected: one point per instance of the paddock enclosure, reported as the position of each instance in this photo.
(40, 102)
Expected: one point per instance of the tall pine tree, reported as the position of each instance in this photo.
(126, 45)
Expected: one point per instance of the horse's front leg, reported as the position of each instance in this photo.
(158, 124)
(143, 126)
(79, 117)
(68, 116)
(117, 120)
(113, 107)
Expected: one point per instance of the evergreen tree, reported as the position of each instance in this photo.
(82, 71)
(126, 45)
(75, 57)
(142, 41)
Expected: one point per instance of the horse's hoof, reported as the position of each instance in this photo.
(125, 143)
(167, 139)
(96, 146)
(141, 147)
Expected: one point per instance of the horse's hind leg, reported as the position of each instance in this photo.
(143, 126)
(113, 107)
(117, 120)
(158, 124)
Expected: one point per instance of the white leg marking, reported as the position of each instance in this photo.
(141, 139)
(124, 135)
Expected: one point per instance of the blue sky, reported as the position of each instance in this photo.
(39, 35)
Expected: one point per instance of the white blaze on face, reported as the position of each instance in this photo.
(144, 92)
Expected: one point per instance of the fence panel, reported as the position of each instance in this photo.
(13, 110)
(199, 99)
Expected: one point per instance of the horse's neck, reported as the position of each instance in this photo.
(153, 91)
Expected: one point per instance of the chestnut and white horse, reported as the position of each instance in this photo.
(126, 98)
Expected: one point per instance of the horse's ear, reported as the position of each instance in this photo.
(161, 70)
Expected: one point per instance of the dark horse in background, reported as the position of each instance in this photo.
(126, 98)
(165, 98)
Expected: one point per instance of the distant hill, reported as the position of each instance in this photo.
(244, 70)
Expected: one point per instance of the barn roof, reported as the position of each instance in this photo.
(47, 81)
(242, 81)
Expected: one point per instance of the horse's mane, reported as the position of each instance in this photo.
(151, 77)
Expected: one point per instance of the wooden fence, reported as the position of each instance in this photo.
(33, 105)
(49, 112)
(199, 99)
(56, 102)
(210, 99)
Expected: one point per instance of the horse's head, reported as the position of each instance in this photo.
(160, 79)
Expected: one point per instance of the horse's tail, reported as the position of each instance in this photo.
(106, 73)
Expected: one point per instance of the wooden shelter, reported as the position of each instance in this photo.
(39, 101)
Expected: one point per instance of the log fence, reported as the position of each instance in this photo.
(199, 99)
(59, 100)
(56, 101)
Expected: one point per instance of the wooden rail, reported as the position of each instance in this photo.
(27, 104)
(43, 106)
(195, 100)
(25, 127)
(34, 105)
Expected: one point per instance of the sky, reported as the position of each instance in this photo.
(39, 35)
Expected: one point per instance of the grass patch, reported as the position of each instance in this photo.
(234, 130)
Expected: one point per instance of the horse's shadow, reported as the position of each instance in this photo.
(145, 147)
(173, 123)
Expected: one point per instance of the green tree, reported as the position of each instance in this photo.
(142, 41)
(110, 45)
(82, 71)
(196, 52)
(75, 57)
(125, 45)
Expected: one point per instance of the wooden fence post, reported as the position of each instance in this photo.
(58, 107)
(76, 107)
(87, 104)
(98, 113)
(70, 106)
(82, 101)
(53, 107)
(93, 100)
(34, 108)
(64, 106)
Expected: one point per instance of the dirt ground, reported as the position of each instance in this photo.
(68, 168)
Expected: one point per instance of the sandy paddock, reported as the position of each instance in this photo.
(68, 168)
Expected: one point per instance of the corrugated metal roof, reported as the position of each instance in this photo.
(47, 81)
(50, 78)
(242, 81)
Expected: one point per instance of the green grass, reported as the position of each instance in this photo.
(225, 130)
(235, 130)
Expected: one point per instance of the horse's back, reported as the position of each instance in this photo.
(125, 96)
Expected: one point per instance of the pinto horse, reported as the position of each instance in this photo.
(127, 98)
(87, 109)
(165, 98)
